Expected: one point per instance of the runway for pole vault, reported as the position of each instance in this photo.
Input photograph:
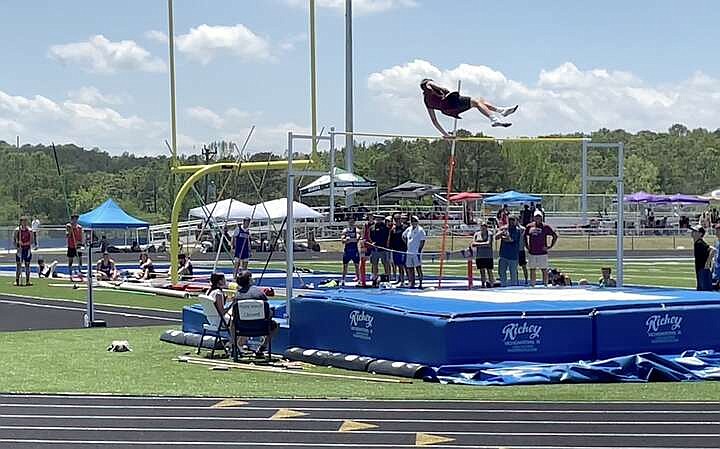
(37, 421)
(18, 313)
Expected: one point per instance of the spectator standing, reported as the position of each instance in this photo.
(510, 238)
(716, 258)
(241, 246)
(522, 256)
(379, 242)
(349, 238)
(74, 234)
(526, 215)
(415, 237)
(535, 238)
(35, 226)
(703, 259)
(23, 238)
(502, 215)
(398, 247)
(482, 245)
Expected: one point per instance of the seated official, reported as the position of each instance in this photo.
(105, 270)
(147, 269)
(607, 280)
(246, 291)
(185, 267)
(47, 271)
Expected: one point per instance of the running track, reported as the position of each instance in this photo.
(18, 313)
(77, 422)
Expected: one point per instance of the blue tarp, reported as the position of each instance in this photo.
(643, 367)
(109, 215)
(512, 197)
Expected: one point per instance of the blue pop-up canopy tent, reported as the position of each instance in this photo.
(512, 197)
(109, 215)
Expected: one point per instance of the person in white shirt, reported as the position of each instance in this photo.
(35, 226)
(415, 237)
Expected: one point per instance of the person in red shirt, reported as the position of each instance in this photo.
(438, 98)
(75, 242)
(536, 234)
(23, 238)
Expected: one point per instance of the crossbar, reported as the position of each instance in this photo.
(463, 139)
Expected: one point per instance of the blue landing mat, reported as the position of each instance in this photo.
(644, 367)
(545, 325)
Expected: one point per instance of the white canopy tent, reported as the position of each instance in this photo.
(345, 183)
(229, 209)
(277, 209)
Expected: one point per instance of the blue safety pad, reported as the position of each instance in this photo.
(643, 367)
(667, 330)
(448, 306)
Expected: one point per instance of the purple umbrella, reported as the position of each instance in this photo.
(687, 199)
(644, 197)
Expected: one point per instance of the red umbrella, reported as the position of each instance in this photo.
(465, 196)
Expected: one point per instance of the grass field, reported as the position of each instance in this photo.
(75, 361)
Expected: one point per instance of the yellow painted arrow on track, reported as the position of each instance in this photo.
(229, 403)
(428, 439)
(285, 413)
(349, 426)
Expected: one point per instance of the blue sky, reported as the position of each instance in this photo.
(92, 73)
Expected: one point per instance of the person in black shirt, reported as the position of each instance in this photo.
(398, 247)
(379, 241)
(526, 215)
(185, 267)
(703, 260)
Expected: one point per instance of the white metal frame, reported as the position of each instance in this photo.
(618, 179)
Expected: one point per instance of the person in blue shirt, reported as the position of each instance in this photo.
(510, 238)
(716, 259)
(241, 246)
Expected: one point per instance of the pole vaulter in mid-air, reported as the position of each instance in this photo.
(453, 104)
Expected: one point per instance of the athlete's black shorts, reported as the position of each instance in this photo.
(485, 263)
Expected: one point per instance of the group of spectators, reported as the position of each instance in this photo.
(395, 241)
(521, 246)
(707, 258)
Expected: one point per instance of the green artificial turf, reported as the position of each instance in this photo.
(76, 361)
(46, 288)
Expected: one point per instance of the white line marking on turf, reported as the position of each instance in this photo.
(77, 301)
(368, 432)
(292, 444)
(99, 311)
(338, 420)
(279, 400)
(384, 410)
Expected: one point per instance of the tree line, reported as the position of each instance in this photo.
(679, 160)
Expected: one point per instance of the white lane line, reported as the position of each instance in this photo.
(367, 432)
(384, 410)
(281, 400)
(292, 444)
(373, 420)
(77, 301)
(78, 309)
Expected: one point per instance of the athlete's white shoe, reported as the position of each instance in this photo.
(507, 111)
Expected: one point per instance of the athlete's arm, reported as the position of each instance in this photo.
(434, 120)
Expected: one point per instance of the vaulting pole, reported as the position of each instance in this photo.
(349, 143)
(313, 82)
(451, 172)
(171, 49)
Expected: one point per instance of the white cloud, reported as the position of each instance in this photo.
(156, 36)
(205, 116)
(206, 42)
(360, 6)
(92, 95)
(100, 55)
(563, 99)
(40, 119)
